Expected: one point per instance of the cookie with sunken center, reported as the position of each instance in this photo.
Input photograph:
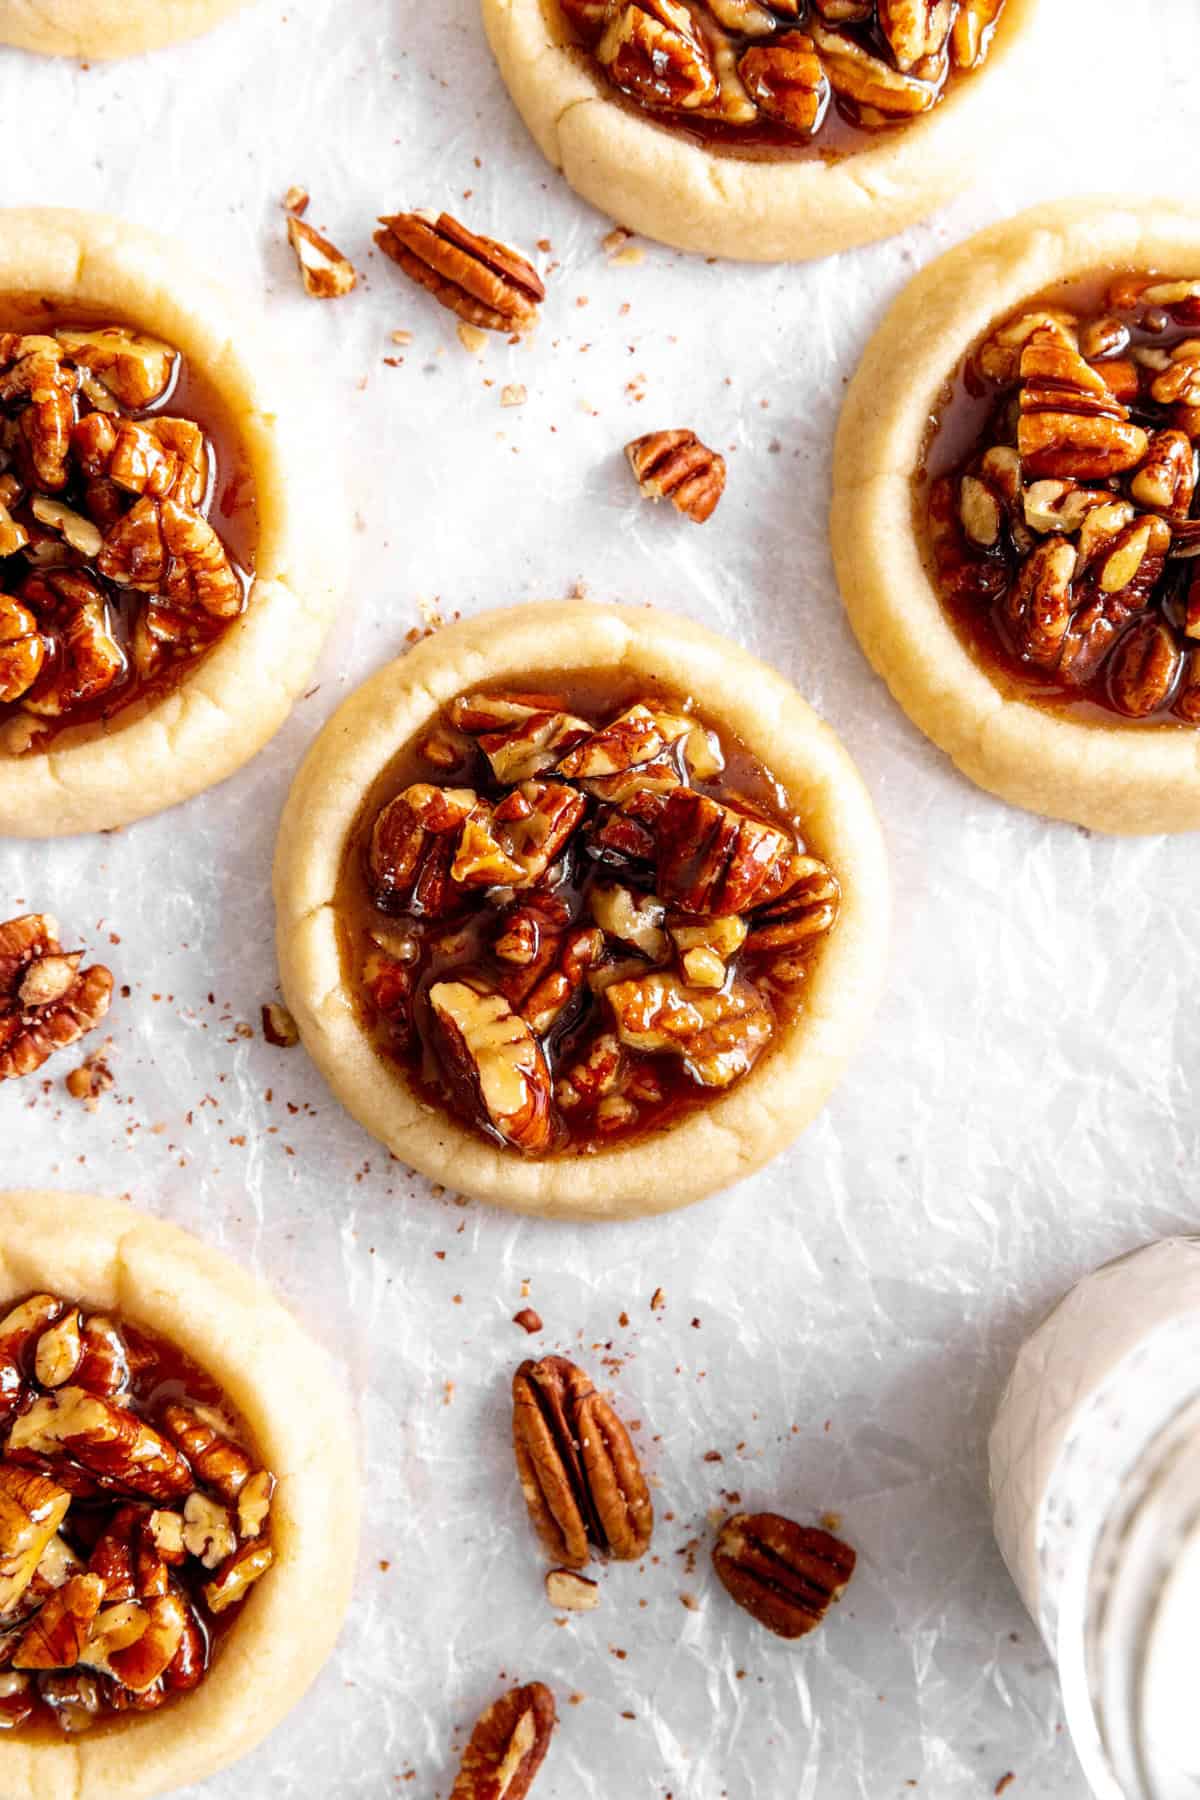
(102, 30)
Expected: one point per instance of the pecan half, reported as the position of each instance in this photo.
(483, 281)
(325, 272)
(22, 649)
(654, 50)
(1039, 604)
(1166, 481)
(507, 1746)
(786, 81)
(808, 909)
(785, 1575)
(1071, 423)
(718, 1034)
(1144, 669)
(676, 466)
(494, 1063)
(578, 1469)
(915, 29)
(869, 82)
(215, 1457)
(46, 1001)
(166, 547)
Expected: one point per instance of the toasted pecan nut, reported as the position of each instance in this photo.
(785, 80)
(713, 859)
(483, 281)
(325, 272)
(494, 1063)
(1145, 668)
(1071, 422)
(215, 1457)
(654, 50)
(58, 1635)
(507, 1746)
(31, 1510)
(579, 1472)
(785, 1575)
(46, 1001)
(915, 29)
(676, 466)
(878, 91)
(22, 649)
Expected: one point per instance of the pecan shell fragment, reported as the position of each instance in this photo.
(507, 1746)
(579, 1472)
(784, 1575)
(483, 281)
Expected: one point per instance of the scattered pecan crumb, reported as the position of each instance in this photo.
(528, 1320)
(1004, 1782)
(676, 466)
(569, 1592)
(402, 337)
(657, 1300)
(92, 1078)
(278, 1026)
(296, 200)
(472, 338)
(513, 395)
(325, 272)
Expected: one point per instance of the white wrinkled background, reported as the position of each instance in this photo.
(1022, 1110)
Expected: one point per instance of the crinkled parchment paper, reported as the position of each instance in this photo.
(836, 1329)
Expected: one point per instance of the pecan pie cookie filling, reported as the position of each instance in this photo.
(1014, 522)
(574, 919)
(127, 525)
(178, 1504)
(134, 1518)
(763, 129)
(168, 565)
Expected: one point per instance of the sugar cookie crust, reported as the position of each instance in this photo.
(737, 1132)
(105, 29)
(239, 694)
(653, 179)
(115, 1259)
(1111, 777)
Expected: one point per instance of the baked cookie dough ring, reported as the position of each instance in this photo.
(1108, 775)
(237, 695)
(118, 1260)
(102, 29)
(726, 1139)
(655, 180)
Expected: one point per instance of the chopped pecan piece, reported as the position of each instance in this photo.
(871, 84)
(712, 859)
(529, 743)
(58, 1635)
(969, 36)
(135, 370)
(141, 1662)
(568, 1591)
(234, 1579)
(325, 272)
(719, 1035)
(786, 81)
(631, 917)
(1145, 668)
(578, 1469)
(654, 50)
(507, 1746)
(999, 357)
(31, 368)
(46, 1001)
(494, 1063)
(31, 1510)
(1039, 604)
(481, 280)
(104, 1366)
(915, 29)
(167, 547)
(18, 1698)
(582, 950)
(158, 457)
(217, 1460)
(74, 1699)
(60, 1347)
(86, 659)
(514, 843)
(413, 843)
(112, 1444)
(634, 741)
(1166, 481)
(22, 649)
(1071, 423)
(208, 1532)
(20, 1328)
(676, 466)
(785, 1575)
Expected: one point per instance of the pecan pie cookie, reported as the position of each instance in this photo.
(107, 28)
(771, 130)
(580, 909)
(178, 1504)
(1013, 520)
(164, 584)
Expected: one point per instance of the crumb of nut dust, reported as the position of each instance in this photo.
(295, 200)
(657, 1300)
(92, 1078)
(471, 338)
(402, 338)
(513, 395)
(528, 1320)
(430, 613)
(1004, 1783)
(278, 1026)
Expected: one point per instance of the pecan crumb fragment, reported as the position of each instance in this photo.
(568, 1591)
(785, 1575)
(579, 1472)
(295, 200)
(47, 1001)
(485, 282)
(528, 1320)
(676, 466)
(507, 1746)
(279, 1027)
(325, 272)
(92, 1078)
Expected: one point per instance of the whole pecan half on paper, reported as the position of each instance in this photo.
(676, 466)
(483, 281)
(579, 1472)
(46, 1000)
(785, 1575)
(508, 1746)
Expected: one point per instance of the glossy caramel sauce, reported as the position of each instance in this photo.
(841, 130)
(596, 696)
(972, 414)
(231, 507)
(161, 1375)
